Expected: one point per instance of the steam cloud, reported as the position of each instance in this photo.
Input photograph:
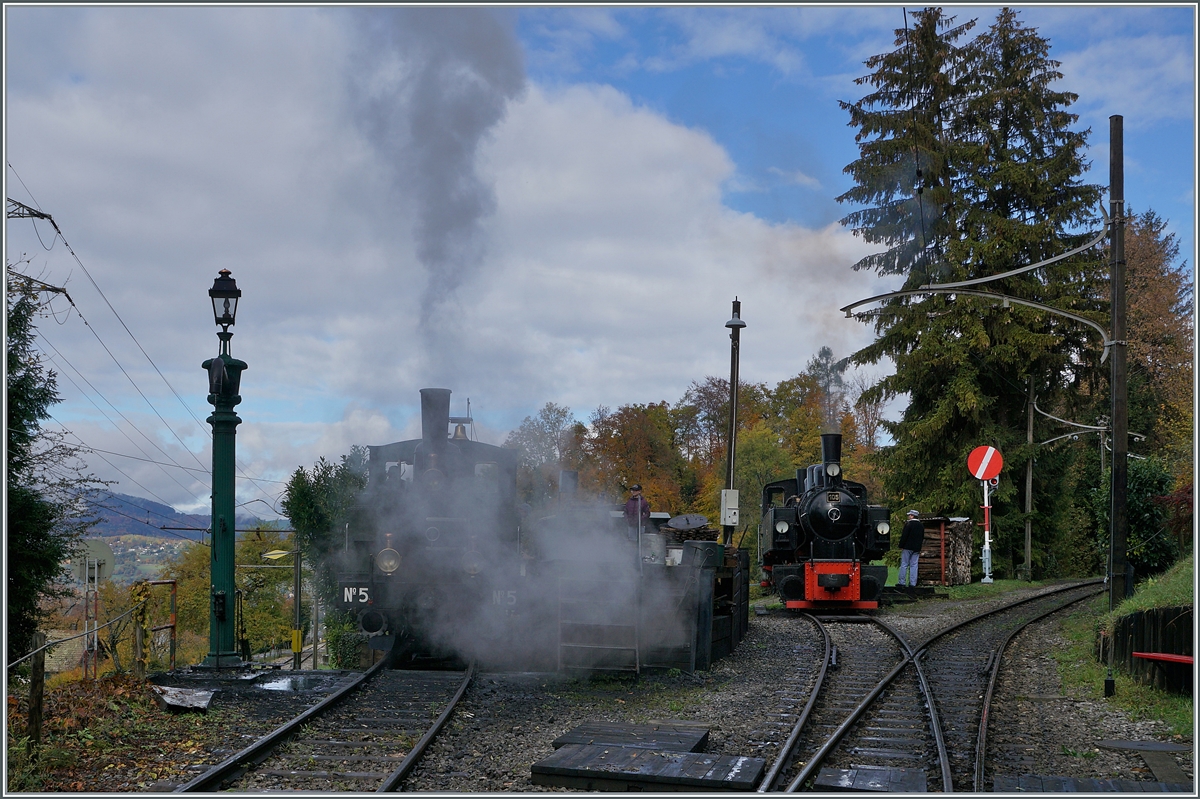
(432, 82)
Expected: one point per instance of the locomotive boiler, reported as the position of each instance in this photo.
(819, 534)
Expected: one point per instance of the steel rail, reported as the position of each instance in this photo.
(935, 720)
(257, 751)
(1009, 606)
(785, 753)
(981, 741)
(393, 780)
(836, 736)
(913, 655)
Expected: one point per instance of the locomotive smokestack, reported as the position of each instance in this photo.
(831, 447)
(435, 413)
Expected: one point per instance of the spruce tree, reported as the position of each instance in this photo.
(1001, 171)
(44, 483)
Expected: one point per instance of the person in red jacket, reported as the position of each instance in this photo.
(637, 512)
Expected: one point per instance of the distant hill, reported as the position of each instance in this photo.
(122, 514)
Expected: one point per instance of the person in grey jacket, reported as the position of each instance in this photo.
(912, 537)
(637, 512)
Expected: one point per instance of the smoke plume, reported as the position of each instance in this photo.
(431, 84)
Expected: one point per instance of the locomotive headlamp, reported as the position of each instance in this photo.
(883, 528)
(833, 469)
(388, 560)
(781, 527)
(472, 562)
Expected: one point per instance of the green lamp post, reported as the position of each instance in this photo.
(224, 379)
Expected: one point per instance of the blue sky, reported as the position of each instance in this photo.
(568, 223)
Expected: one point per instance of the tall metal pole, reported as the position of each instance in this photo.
(1029, 488)
(224, 382)
(1118, 588)
(297, 635)
(735, 326)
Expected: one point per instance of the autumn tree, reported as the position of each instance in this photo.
(1161, 336)
(543, 440)
(635, 444)
(265, 593)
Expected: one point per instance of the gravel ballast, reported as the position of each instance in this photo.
(508, 721)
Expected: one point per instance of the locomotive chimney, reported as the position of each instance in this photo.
(831, 447)
(435, 413)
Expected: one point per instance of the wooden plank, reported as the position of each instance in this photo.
(875, 779)
(1036, 783)
(1165, 767)
(1144, 746)
(631, 768)
(665, 736)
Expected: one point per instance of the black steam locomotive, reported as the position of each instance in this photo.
(432, 562)
(441, 563)
(819, 534)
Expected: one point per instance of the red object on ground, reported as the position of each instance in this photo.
(1163, 656)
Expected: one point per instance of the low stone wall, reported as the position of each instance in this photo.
(1161, 630)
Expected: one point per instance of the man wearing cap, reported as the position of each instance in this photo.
(912, 537)
(637, 511)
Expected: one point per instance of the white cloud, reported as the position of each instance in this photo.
(796, 176)
(1148, 79)
(607, 275)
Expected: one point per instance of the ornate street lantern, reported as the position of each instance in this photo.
(224, 295)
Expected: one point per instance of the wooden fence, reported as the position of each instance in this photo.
(1160, 630)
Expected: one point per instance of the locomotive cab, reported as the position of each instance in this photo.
(819, 534)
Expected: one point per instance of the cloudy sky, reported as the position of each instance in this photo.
(521, 205)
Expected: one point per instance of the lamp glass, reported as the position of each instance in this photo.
(224, 310)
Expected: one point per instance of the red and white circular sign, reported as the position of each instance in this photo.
(984, 463)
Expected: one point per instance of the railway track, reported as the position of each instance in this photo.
(367, 735)
(900, 717)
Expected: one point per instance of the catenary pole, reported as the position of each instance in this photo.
(1118, 587)
(735, 326)
(1029, 487)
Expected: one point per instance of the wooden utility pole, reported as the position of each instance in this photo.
(1118, 587)
(37, 689)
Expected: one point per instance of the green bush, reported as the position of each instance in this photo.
(1150, 546)
(344, 641)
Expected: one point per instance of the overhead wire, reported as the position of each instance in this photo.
(122, 471)
(240, 467)
(105, 414)
(124, 372)
(104, 297)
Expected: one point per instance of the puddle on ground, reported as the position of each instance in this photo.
(300, 682)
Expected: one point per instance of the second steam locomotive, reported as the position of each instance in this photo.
(819, 534)
(441, 561)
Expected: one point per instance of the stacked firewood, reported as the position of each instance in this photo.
(958, 552)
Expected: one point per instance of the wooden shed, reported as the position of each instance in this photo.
(946, 553)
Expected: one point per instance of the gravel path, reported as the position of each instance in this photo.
(508, 722)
